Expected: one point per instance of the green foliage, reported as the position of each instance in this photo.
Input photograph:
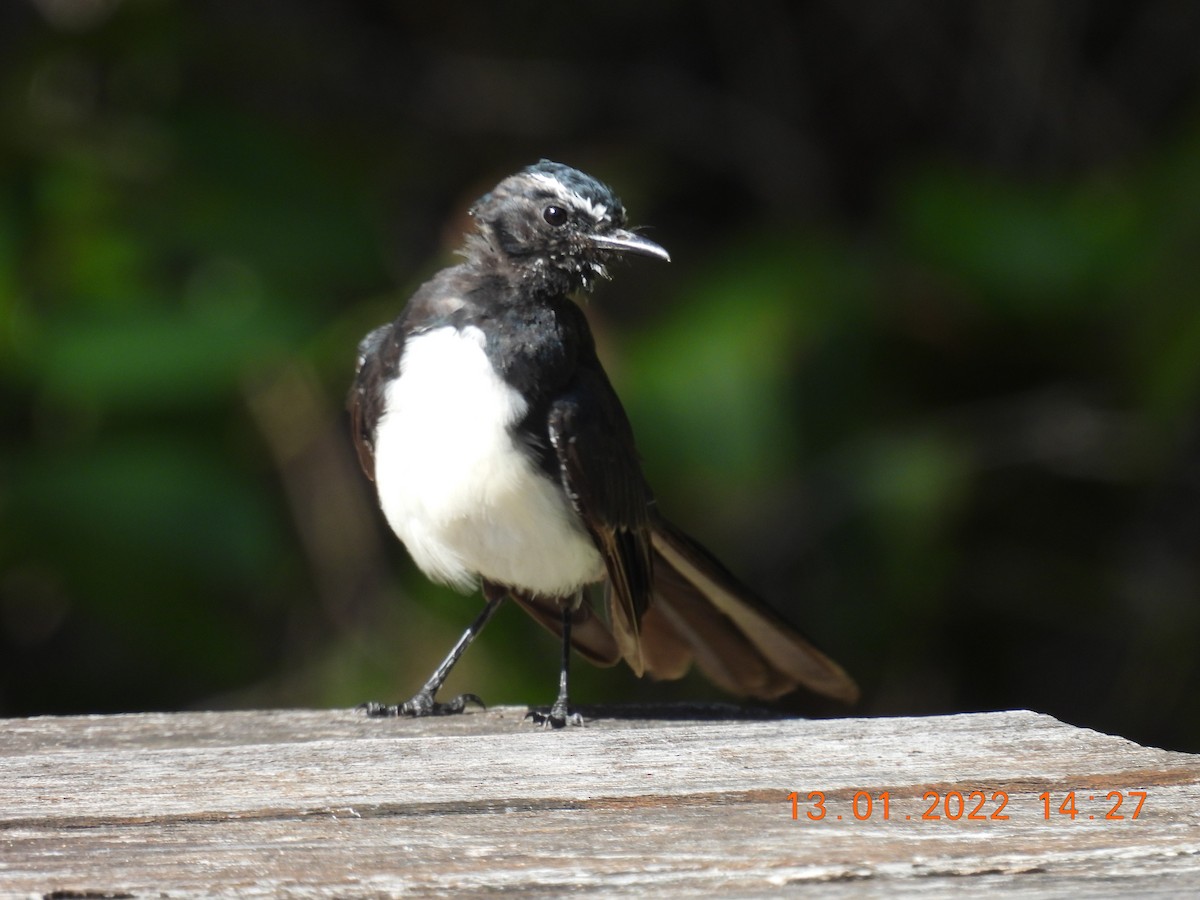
(1030, 250)
(946, 420)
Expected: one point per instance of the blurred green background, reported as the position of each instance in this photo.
(925, 368)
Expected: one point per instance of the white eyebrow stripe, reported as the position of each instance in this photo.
(547, 180)
(597, 211)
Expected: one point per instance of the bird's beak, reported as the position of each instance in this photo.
(628, 242)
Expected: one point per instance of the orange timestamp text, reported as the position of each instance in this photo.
(971, 806)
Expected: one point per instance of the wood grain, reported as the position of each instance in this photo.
(681, 801)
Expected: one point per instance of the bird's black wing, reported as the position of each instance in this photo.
(602, 476)
(378, 358)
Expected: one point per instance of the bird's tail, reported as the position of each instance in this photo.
(699, 611)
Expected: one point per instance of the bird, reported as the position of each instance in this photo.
(503, 459)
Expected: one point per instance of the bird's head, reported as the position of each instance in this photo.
(556, 226)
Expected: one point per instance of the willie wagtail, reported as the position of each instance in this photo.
(503, 458)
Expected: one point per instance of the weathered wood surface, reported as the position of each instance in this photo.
(311, 803)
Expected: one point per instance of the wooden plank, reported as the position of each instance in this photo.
(301, 803)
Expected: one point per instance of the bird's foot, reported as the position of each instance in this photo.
(558, 716)
(421, 704)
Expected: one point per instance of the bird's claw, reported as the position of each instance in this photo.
(420, 705)
(556, 717)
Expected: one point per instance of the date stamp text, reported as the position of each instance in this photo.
(968, 805)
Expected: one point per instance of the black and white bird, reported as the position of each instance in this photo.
(503, 458)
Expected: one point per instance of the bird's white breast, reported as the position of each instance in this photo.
(456, 488)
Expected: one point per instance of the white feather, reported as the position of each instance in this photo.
(598, 212)
(464, 498)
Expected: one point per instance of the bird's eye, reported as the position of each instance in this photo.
(555, 215)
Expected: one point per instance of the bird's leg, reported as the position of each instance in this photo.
(422, 703)
(560, 713)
